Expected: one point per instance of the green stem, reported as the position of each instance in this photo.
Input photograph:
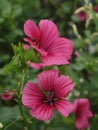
(11, 124)
(22, 114)
(22, 82)
(19, 102)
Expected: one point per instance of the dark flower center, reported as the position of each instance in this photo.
(50, 98)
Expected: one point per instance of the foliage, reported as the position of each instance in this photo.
(14, 71)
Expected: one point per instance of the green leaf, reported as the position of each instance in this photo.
(17, 10)
(8, 113)
(6, 7)
(78, 66)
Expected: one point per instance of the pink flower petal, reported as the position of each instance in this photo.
(59, 52)
(35, 65)
(89, 114)
(31, 30)
(48, 31)
(81, 123)
(31, 95)
(61, 46)
(42, 111)
(75, 105)
(54, 59)
(82, 104)
(82, 113)
(64, 107)
(33, 44)
(63, 85)
(81, 107)
(46, 79)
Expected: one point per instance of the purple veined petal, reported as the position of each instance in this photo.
(63, 85)
(31, 95)
(48, 31)
(42, 111)
(31, 30)
(54, 59)
(35, 46)
(46, 79)
(64, 107)
(59, 52)
(61, 46)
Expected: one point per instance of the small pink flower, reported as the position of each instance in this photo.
(82, 113)
(49, 94)
(53, 50)
(77, 54)
(8, 95)
(82, 15)
(96, 8)
(26, 47)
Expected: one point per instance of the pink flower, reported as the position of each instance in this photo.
(45, 40)
(82, 113)
(26, 47)
(8, 95)
(96, 8)
(82, 15)
(77, 54)
(49, 94)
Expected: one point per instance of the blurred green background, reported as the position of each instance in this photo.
(83, 70)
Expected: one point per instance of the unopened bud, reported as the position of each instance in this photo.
(1, 125)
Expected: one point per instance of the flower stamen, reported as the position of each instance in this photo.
(50, 98)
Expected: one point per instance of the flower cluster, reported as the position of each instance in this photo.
(50, 92)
